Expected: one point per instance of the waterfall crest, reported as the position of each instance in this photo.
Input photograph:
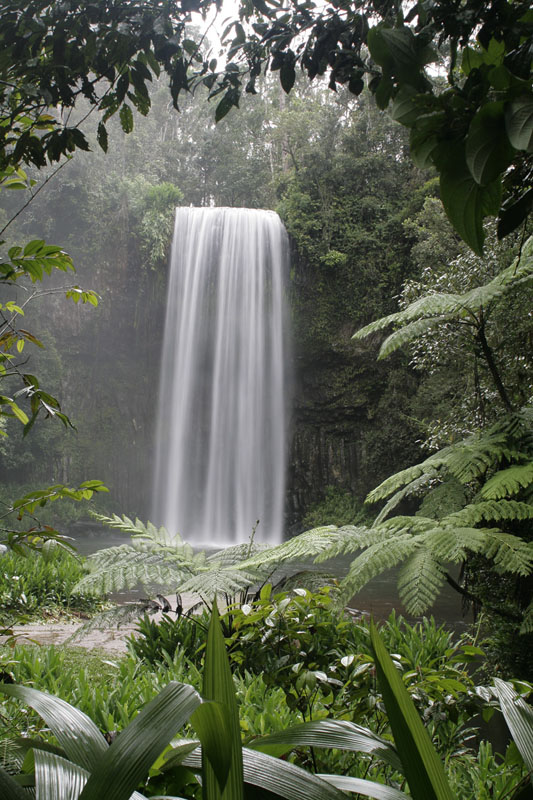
(220, 447)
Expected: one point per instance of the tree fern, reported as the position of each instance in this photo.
(427, 470)
(420, 580)
(388, 551)
(508, 552)
(508, 481)
(412, 488)
(437, 308)
(219, 580)
(407, 334)
(495, 510)
(300, 548)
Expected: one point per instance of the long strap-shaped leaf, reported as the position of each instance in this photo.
(56, 778)
(280, 779)
(421, 763)
(367, 788)
(9, 790)
(519, 717)
(75, 731)
(340, 734)
(220, 781)
(59, 779)
(134, 751)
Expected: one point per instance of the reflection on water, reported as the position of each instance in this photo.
(378, 598)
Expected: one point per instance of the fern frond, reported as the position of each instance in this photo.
(411, 488)
(385, 553)
(138, 528)
(520, 271)
(508, 552)
(420, 580)
(508, 481)
(221, 580)
(444, 498)
(490, 510)
(406, 334)
(425, 471)
(527, 622)
(132, 568)
(349, 539)
(12, 754)
(406, 524)
(299, 548)
(376, 325)
(114, 618)
(474, 455)
(433, 309)
(235, 554)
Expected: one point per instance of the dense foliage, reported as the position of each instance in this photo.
(458, 77)
(357, 755)
(32, 585)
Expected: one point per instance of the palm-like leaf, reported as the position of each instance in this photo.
(330, 733)
(519, 717)
(75, 731)
(57, 778)
(367, 788)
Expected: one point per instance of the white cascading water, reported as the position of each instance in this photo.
(220, 449)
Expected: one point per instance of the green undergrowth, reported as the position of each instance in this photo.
(294, 658)
(36, 588)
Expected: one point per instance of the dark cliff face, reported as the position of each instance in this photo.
(350, 420)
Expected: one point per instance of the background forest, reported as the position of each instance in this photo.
(359, 216)
(436, 432)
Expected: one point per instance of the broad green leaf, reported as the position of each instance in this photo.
(126, 118)
(488, 150)
(466, 204)
(33, 247)
(519, 717)
(131, 755)
(404, 110)
(230, 99)
(211, 720)
(287, 75)
(364, 787)
(76, 733)
(101, 136)
(339, 734)
(218, 686)
(281, 778)
(19, 413)
(57, 778)
(421, 763)
(519, 123)
(9, 790)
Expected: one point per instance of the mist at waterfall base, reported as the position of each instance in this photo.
(221, 429)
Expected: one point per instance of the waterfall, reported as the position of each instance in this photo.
(220, 447)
